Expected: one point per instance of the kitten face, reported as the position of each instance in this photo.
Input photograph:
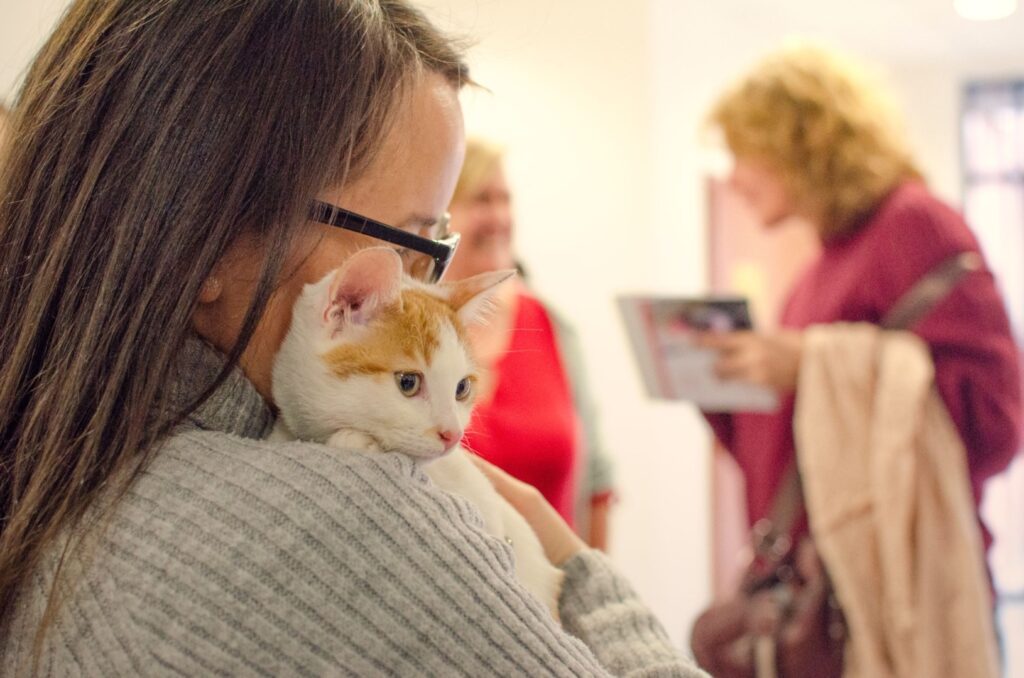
(411, 391)
(372, 351)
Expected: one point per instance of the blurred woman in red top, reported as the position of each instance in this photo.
(533, 415)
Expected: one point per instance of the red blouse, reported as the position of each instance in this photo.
(858, 278)
(529, 427)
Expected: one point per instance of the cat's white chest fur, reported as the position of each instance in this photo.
(455, 473)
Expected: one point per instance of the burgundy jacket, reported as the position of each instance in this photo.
(858, 278)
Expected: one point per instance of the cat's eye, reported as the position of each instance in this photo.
(464, 389)
(409, 383)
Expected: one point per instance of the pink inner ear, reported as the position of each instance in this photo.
(369, 281)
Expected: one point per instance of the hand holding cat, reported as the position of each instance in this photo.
(559, 541)
(766, 359)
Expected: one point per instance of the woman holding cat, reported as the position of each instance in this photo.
(158, 222)
(533, 416)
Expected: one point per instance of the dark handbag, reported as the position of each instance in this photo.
(786, 621)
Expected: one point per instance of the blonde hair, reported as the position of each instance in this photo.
(827, 128)
(483, 159)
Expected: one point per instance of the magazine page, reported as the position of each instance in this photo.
(662, 332)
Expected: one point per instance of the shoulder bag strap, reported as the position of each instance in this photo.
(930, 290)
(914, 305)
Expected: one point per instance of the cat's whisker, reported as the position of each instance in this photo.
(476, 433)
(469, 449)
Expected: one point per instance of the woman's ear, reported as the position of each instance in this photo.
(211, 290)
(208, 316)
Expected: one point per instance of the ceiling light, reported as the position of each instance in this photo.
(985, 10)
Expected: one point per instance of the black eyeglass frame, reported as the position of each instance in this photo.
(440, 250)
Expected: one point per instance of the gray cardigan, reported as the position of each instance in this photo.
(231, 555)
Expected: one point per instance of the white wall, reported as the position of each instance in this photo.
(23, 27)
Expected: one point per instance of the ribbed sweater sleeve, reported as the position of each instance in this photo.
(601, 608)
(233, 556)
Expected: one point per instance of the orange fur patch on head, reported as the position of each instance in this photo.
(404, 332)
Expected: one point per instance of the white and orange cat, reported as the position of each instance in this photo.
(375, 361)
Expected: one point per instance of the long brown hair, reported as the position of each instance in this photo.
(149, 135)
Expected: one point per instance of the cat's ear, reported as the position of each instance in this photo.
(471, 297)
(369, 281)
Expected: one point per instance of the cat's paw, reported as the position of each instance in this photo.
(347, 439)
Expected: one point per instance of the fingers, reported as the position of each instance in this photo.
(770, 360)
(740, 357)
(739, 366)
(723, 341)
(515, 491)
(560, 543)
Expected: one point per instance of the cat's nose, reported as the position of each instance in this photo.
(449, 438)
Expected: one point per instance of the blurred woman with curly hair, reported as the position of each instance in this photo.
(813, 137)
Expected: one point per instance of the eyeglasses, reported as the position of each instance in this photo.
(425, 257)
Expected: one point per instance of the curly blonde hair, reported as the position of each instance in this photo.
(825, 126)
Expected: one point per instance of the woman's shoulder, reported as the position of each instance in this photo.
(910, 233)
(266, 467)
(223, 498)
(314, 491)
(912, 220)
(248, 554)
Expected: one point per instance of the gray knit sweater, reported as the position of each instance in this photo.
(236, 556)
